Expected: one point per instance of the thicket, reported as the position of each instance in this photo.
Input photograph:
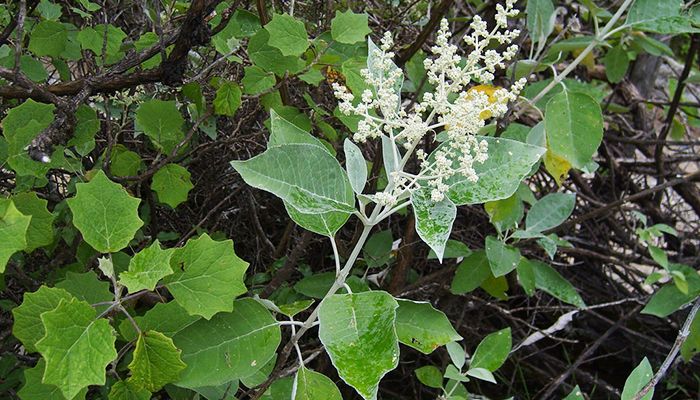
(217, 199)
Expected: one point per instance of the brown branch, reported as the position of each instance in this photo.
(438, 12)
(4, 36)
(673, 108)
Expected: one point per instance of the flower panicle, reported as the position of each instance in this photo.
(449, 103)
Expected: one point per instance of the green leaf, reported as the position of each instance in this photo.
(257, 80)
(172, 184)
(317, 285)
(105, 214)
(509, 161)
(550, 211)
(526, 276)
(77, 347)
(311, 385)
(281, 389)
(168, 318)
(124, 162)
(48, 38)
(575, 394)
(287, 34)
(21, 125)
(660, 16)
(502, 257)
(616, 64)
(540, 19)
(692, 343)
(492, 351)
(40, 231)
(156, 361)
(574, 127)
(86, 127)
(457, 354)
(93, 39)
(208, 274)
(305, 176)
(639, 377)
(668, 300)
(229, 346)
(27, 326)
(453, 249)
(87, 287)
(356, 166)
(14, 227)
(48, 10)
(146, 268)
(471, 273)
(505, 213)
(430, 376)
(228, 99)
(550, 281)
(348, 27)
(126, 390)
(161, 121)
(482, 373)
(433, 220)
(357, 331)
(269, 58)
(422, 327)
(35, 389)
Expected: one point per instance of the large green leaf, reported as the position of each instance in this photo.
(35, 389)
(87, 286)
(550, 211)
(27, 326)
(161, 121)
(357, 330)
(208, 275)
(172, 184)
(433, 219)
(668, 300)
(422, 327)
(287, 34)
(509, 161)
(257, 80)
(14, 228)
(229, 346)
(639, 377)
(105, 214)
(40, 231)
(502, 257)
(305, 176)
(284, 132)
(493, 350)
(574, 127)
(48, 38)
(77, 347)
(348, 27)
(156, 361)
(311, 385)
(146, 268)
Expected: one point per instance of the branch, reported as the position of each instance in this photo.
(680, 339)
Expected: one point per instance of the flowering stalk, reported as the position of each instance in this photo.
(453, 106)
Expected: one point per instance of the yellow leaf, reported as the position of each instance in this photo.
(588, 60)
(488, 90)
(557, 166)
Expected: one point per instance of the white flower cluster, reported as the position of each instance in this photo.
(451, 105)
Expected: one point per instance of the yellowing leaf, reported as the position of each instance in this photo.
(488, 90)
(557, 166)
